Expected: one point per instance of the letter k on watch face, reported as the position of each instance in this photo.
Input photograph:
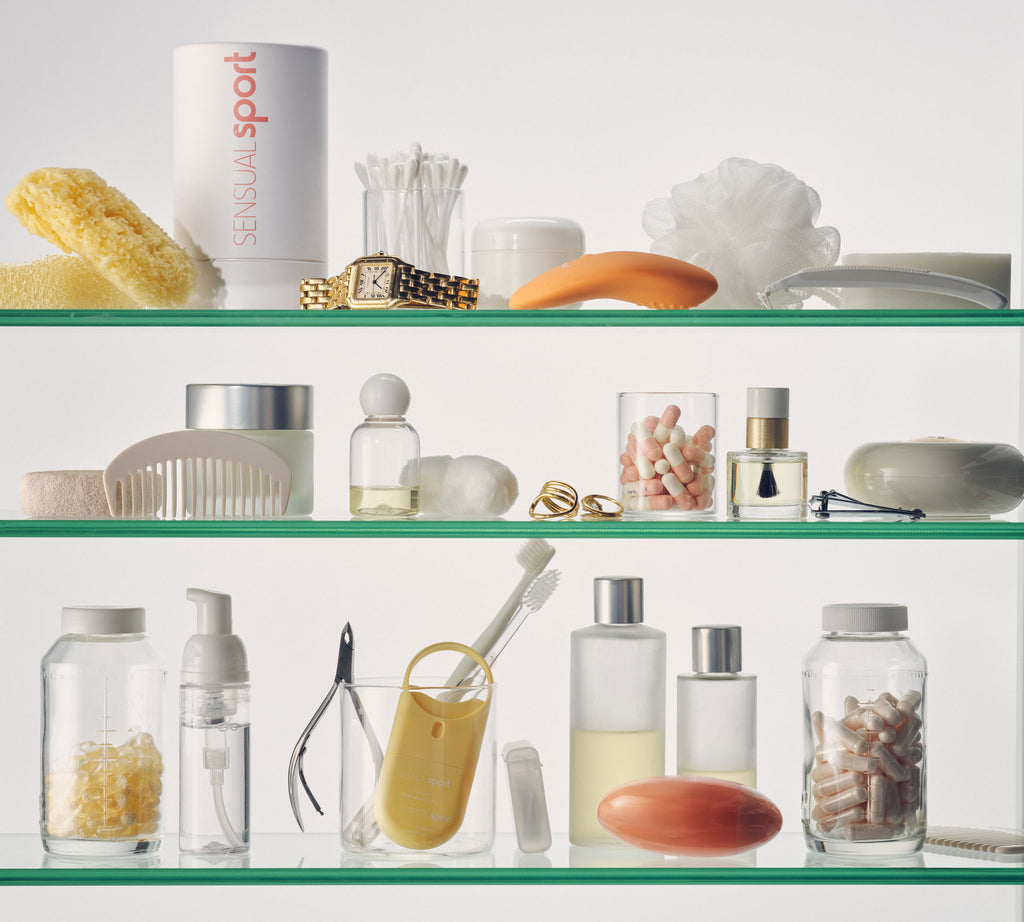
(373, 282)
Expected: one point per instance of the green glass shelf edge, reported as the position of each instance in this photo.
(509, 876)
(875, 531)
(636, 317)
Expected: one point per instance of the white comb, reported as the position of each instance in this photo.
(198, 474)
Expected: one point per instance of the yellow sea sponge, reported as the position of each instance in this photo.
(76, 210)
(58, 283)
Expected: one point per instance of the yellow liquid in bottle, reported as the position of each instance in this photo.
(390, 502)
(746, 776)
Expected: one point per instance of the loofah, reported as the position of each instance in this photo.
(76, 210)
(59, 283)
(468, 487)
(746, 223)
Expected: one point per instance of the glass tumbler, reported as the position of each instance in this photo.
(667, 453)
(446, 805)
(102, 702)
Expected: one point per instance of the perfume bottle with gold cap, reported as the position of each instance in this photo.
(767, 481)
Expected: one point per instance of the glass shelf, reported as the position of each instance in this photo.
(320, 859)
(634, 317)
(424, 528)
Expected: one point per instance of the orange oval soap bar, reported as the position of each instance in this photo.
(682, 815)
(647, 279)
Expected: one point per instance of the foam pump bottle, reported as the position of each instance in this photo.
(384, 454)
(767, 481)
(214, 752)
(617, 704)
(716, 709)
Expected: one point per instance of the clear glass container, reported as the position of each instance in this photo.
(214, 778)
(102, 763)
(667, 453)
(767, 481)
(716, 710)
(864, 735)
(422, 226)
(617, 704)
(384, 453)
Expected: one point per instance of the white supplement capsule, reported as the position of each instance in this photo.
(890, 697)
(824, 770)
(644, 466)
(847, 761)
(877, 793)
(888, 764)
(906, 734)
(888, 735)
(661, 466)
(672, 454)
(837, 732)
(914, 755)
(678, 437)
(836, 783)
(837, 803)
(851, 704)
(893, 806)
(868, 831)
(839, 820)
(672, 485)
(707, 462)
(909, 703)
(886, 711)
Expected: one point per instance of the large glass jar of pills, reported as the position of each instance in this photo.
(864, 734)
(102, 766)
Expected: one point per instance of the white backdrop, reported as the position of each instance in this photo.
(906, 118)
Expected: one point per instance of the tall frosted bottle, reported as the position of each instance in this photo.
(617, 704)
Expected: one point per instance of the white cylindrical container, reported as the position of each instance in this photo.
(279, 416)
(102, 764)
(617, 704)
(250, 170)
(509, 252)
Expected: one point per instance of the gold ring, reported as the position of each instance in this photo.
(593, 507)
(559, 498)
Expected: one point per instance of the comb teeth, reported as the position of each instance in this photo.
(198, 474)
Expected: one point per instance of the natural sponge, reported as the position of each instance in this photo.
(76, 210)
(59, 283)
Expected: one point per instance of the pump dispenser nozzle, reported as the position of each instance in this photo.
(213, 655)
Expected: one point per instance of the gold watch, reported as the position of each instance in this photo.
(383, 282)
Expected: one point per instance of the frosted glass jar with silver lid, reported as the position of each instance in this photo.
(279, 416)
(102, 762)
(864, 734)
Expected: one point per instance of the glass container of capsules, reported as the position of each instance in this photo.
(667, 453)
(102, 702)
(864, 735)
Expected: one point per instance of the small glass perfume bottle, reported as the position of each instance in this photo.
(767, 481)
(384, 454)
(716, 709)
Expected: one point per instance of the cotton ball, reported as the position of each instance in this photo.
(476, 487)
(749, 224)
(432, 471)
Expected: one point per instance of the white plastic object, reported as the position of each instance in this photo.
(470, 486)
(526, 790)
(245, 114)
(509, 252)
(213, 655)
(768, 402)
(202, 474)
(384, 395)
(826, 280)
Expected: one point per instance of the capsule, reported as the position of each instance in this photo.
(838, 732)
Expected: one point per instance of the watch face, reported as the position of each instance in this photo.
(373, 281)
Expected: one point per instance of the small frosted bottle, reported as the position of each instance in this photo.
(384, 454)
(617, 704)
(767, 481)
(716, 710)
(214, 771)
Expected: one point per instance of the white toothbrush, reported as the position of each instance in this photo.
(533, 557)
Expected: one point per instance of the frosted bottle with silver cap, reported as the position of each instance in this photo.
(279, 416)
(767, 481)
(716, 709)
(102, 762)
(384, 453)
(864, 734)
(214, 729)
(250, 170)
(617, 704)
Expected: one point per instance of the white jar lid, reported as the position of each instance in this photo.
(864, 618)
(98, 619)
(550, 234)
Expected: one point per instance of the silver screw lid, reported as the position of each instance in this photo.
(618, 600)
(864, 618)
(717, 648)
(248, 406)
